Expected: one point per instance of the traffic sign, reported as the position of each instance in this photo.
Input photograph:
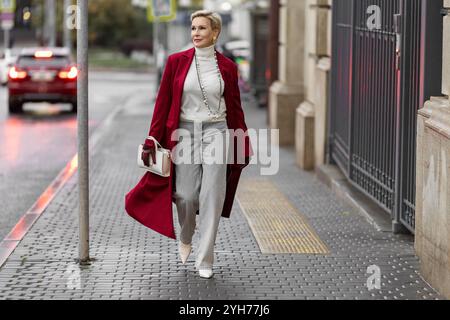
(7, 5)
(7, 25)
(6, 16)
(161, 10)
(7, 12)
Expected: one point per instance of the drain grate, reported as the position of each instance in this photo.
(276, 224)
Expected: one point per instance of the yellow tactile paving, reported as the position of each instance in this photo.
(277, 225)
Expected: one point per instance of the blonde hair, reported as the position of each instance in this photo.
(215, 18)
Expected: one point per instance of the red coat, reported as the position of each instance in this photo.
(150, 201)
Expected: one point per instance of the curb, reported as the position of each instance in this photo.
(342, 188)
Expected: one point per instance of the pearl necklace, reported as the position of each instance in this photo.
(216, 114)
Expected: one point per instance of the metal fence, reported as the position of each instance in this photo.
(377, 86)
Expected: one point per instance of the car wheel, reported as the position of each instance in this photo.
(15, 106)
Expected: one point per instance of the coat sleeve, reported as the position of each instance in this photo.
(238, 116)
(162, 104)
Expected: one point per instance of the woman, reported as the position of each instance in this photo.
(199, 94)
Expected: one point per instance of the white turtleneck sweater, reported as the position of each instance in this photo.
(192, 106)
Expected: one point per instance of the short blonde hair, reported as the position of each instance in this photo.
(215, 18)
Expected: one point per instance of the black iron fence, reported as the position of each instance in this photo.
(378, 84)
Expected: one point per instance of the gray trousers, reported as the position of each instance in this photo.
(200, 159)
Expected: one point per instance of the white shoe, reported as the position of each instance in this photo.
(184, 251)
(205, 273)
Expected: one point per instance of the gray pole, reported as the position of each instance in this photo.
(156, 48)
(155, 41)
(51, 21)
(83, 132)
(67, 34)
(6, 38)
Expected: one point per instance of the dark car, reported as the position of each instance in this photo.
(42, 75)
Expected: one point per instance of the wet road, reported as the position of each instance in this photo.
(35, 146)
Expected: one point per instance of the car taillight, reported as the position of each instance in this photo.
(69, 74)
(15, 73)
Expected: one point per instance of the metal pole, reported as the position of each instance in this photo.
(51, 20)
(47, 6)
(273, 47)
(67, 34)
(83, 132)
(156, 47)
(6, 38)
(403, 73)
(274, 40)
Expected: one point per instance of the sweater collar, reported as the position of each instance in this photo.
(206, 52)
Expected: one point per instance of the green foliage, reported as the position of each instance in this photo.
(197, 4)
(112, 59)
(38, 17)
(111, 22)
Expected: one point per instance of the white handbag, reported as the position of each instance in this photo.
(162, 157)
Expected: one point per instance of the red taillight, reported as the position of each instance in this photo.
(70, 74)
(15, 73)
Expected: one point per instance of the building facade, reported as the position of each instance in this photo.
(363, 85)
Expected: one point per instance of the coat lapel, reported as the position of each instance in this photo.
(222, 68)
(180, 77)
(185, 64)
(181, 72)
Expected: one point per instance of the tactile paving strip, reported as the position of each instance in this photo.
(276, 224)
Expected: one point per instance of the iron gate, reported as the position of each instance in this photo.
(377, 87)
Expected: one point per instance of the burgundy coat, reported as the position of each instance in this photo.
(150, 201)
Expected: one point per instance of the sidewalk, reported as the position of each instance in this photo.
(132, 262)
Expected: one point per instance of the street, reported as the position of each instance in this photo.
(35, 146)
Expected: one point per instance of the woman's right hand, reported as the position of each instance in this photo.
(148, 150)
